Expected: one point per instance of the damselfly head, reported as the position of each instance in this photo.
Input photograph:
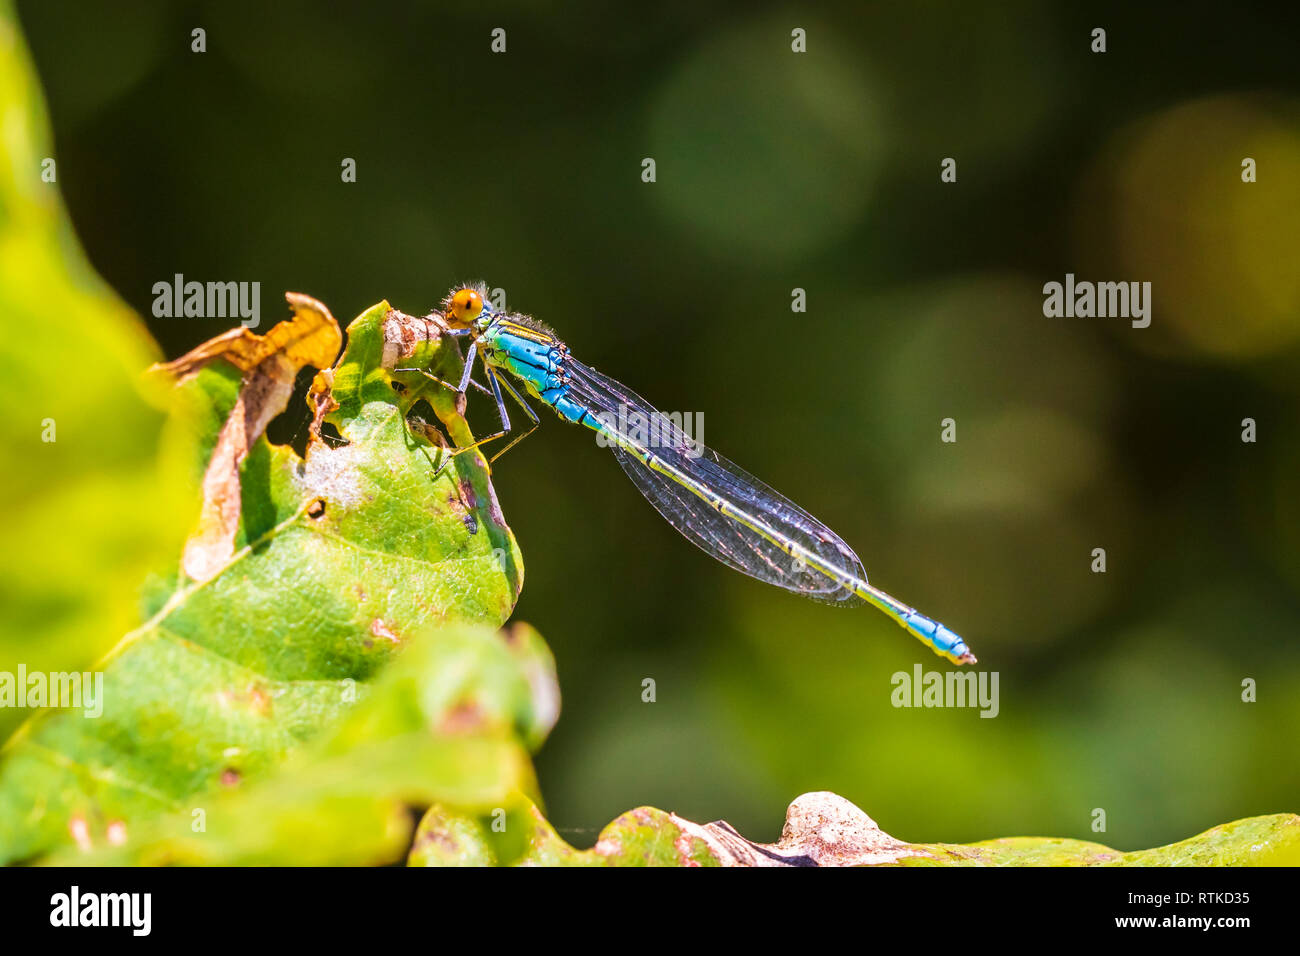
(463, 305)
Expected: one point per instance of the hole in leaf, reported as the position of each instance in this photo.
(291, 426)
(423, 411)
(423, 421)
(331, 436)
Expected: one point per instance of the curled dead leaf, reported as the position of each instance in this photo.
(405, 334)
(821, 829)
(270, 364)
(310, 337)
(321, 399)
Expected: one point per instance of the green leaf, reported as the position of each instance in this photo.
(85, 516)
(1272, 840)
(445, 724)
(821, 829)
(448, 836)
(232, 670)
(332, 565)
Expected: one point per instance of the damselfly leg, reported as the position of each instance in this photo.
(497, 382)
(504, 415)
(443, 382)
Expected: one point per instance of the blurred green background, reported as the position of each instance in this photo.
(820, 171)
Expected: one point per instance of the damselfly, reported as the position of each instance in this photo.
(719, 507)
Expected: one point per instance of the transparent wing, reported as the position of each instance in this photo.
(730, 541)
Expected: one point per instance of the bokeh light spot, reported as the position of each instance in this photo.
(762, 151)
(1220, 253)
